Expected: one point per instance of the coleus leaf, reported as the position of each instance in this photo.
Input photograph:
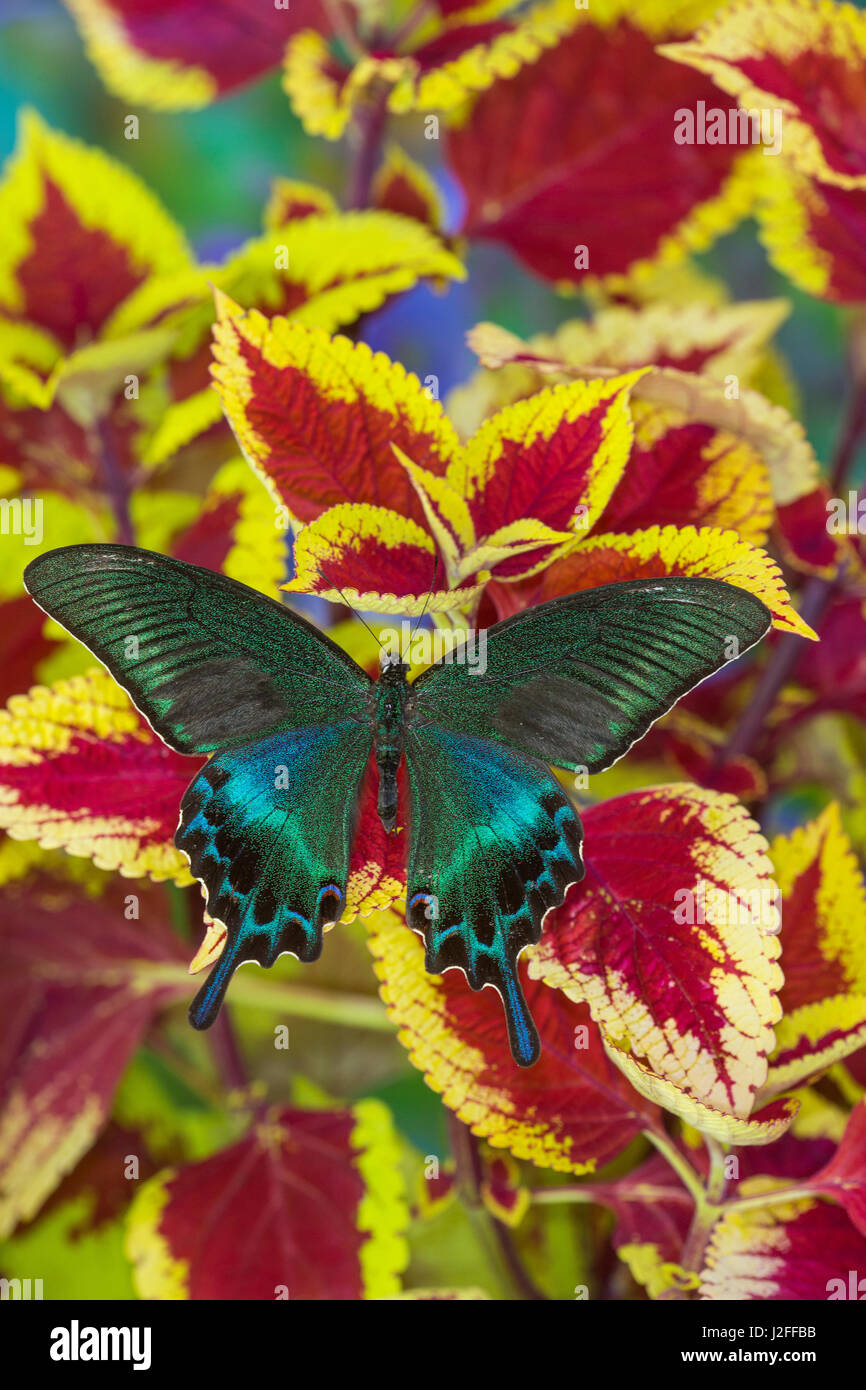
(325, 269)
(235, 531)
(317, 416)
(403, 186)
(815, 233)
(80, 982)
(23, 645)
(54, 452)
(658, 551)
(683, 473)
(670, 940)
(572, 1111)
(82, 233)
(792, 1251)
(178, 54)
(693, 746)
(835, 678)
(679, 398)
(557, 457)
(76, 1238)
(521, 488)
(804, 57)
(80, 769)
(698, 336)
(561, 181)
(802, 534)
(824, 951)
(844, 1177)
(653, 1212)
(291, 200)
(763, 1127)
(437, 69)
(376, 560)
(310, 1205)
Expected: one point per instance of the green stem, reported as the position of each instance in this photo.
(349, 1010)
(770, 1199)
(469, 1172)
(717, 1180)
(694, 1249)
(227, 1053)
(688, 1176)
(590, 1193)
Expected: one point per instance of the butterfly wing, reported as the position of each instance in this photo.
(578, 680)
(217, 668)
(494, 842)
(208, 661)
(268, 829)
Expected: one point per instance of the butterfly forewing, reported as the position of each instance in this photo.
(578, 680)
(208, 661)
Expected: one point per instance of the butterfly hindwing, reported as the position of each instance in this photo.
(493, 845)
(268, 829)
(578, 680)
(208, 661)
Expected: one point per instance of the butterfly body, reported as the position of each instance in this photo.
(289, 723)
(393, 701)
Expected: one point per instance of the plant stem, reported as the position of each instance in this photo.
(852, 433)
(687, 1175)
(369, 128)
(694, 1249)
(226, 1051)
(568, 1192)
(116, 486)
(816, 597)
(467, 1158)
(770, 1199)
(717, 1181)
(349, 1010)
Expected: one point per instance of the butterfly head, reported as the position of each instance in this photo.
(394, 669)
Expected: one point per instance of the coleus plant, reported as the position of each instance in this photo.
(701, 994)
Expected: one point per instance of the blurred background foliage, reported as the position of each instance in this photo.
(213, 168)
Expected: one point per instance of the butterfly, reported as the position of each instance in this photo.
(494, 842)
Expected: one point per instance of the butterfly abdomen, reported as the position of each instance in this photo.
(393, 698)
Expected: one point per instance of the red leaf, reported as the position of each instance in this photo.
(603, 172)
(308, 1206)
(572, 1111)
(75, 1000)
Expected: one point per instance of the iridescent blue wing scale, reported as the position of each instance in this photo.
(494, 844)
(268, 829)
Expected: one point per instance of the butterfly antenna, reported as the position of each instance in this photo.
(350, 607)
(426, 601)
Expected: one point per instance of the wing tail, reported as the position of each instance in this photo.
(523, 1036)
